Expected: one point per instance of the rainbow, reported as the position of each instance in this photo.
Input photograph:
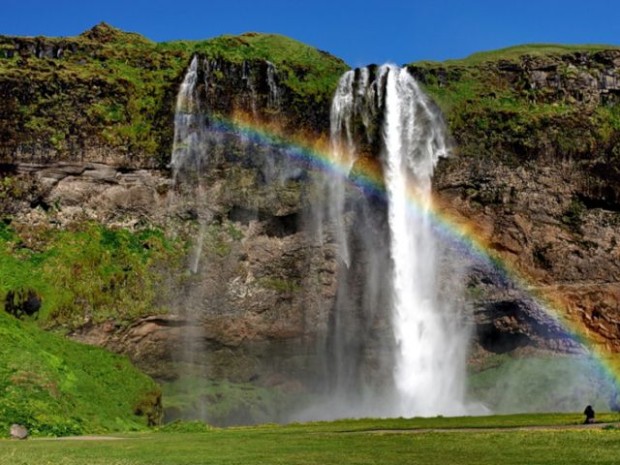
(315, 152)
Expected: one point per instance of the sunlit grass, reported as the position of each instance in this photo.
(344, 442)
(58, 387)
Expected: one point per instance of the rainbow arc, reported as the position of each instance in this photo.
(464, 234)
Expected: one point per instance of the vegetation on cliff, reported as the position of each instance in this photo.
(84, 274)
(306, 70)
(531, 102)
(57, 387)
(108, 94)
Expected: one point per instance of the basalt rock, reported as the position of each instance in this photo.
(22, 303)
(535, 176)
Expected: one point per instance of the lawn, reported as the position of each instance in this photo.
(484, 440)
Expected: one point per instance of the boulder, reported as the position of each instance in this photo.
(18, 432)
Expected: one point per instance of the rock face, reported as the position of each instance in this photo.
(542, 201)
(535, 177)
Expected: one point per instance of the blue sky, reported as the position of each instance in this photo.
(360, 32)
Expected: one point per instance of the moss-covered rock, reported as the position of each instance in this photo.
(108, 95)
(535, 104)
(87, 274)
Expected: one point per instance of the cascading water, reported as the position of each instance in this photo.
(381, 115)
(189, 120)
(274, 91)
(206, 143)
(429, 370)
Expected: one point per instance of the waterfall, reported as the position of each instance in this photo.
(395, 345)
(250, 87)
(207, 146)
(429, 369)
(274, 91)
(189, 121)
(381, 114)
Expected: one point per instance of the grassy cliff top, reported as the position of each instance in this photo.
(516, 53)
(288, 55)
(111, 89)
(525, 101)
(114, 89)
(106, 43)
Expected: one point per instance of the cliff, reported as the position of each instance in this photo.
(537, 171)
(101, 232)
(109, 96)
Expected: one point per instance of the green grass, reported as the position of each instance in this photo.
(533, 50)
(85, 273)
(324, 444)
(521, 420)
(319, 71)
(222, 402)
(494, 110)
(58, 387)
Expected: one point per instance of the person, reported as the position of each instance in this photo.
(589, 413)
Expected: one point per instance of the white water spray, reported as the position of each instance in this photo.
(274, 91)
(429, 370)
(430, 339)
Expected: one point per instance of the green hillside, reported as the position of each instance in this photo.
(85, 274)
(58, 387)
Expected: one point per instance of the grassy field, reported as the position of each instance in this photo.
(483, 440)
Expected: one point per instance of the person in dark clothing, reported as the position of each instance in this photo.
(589, 413)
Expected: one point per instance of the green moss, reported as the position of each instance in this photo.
(307, 71)
(221, 402)
(88, 273)
(278, 284)
(495, 110)
(234, 232)
(573, 215)
(117, 89)
(58, 387)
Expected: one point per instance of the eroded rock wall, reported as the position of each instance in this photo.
(542, 193)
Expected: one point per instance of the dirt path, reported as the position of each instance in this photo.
(81, 438)
(505, 429)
